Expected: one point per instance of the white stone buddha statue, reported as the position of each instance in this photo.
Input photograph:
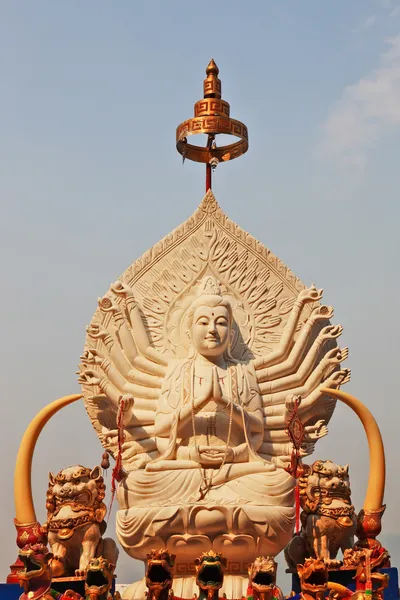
(203, 352)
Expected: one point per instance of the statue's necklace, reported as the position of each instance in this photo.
(201, 379)
(207, 481)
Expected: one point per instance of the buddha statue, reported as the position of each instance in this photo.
(198, 360)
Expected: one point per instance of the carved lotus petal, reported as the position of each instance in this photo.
(189, 546)
(229, 544)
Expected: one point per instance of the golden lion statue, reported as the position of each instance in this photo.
(262, 579)
(327, 509)
(75, 520)
(99, 576)
(313, 575)
(210, 568)
(159, 574)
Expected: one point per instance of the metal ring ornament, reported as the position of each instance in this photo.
(211, 125)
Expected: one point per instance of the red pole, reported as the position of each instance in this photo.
(208, 177)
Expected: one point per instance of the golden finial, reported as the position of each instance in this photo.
(212, 85)
(212, 68)
(211, 117)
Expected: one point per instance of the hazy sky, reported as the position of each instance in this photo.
(91, 94)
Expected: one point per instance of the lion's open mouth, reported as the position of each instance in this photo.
(210, 574)
(83, 497)
(96, 578)
(31, 567)
(158, 573)
(264, 578)
(317, 579)
(339, 492)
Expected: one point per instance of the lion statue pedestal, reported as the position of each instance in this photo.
(327, 509)
(75, 521)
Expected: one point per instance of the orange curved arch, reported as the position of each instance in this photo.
(377, 466)
(23, 499)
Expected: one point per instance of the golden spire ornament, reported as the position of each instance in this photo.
(211, 117)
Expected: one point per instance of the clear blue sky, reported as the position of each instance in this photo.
(91, 94)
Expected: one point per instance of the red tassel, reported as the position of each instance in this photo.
(297, 504)
(117, 470)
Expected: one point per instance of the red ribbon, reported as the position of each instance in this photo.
(295, 431)
(297, 504)
(117, 470)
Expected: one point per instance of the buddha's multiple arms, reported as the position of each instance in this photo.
(123, 351)
(120, 361)
(276, 394)
(276, 441)
(303, 370)
(298, 365)
(294, 365)
(282, 352)
(312, 433)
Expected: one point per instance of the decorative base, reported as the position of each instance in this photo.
(12, 591)
(235, 586)
(346, 578)
(77, 584)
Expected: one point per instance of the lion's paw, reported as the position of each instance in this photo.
(80, 573)
(57, 566)
(333, 563)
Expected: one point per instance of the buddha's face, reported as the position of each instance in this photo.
(211, 330)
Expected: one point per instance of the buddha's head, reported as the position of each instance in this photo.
(210, 320)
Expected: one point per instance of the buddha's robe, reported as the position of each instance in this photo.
(164, 498)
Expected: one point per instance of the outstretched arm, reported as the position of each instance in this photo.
(139, 333)
(139, 442)
(330, 361)
(275, 414)
(277, 443)
(113, 383)
(281, 353)
(292, 363)
(120, 326)
(311, 433)
(307, 367)
(123, 361)
(120, 378)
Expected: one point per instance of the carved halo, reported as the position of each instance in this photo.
(261, 289)
(164, 282)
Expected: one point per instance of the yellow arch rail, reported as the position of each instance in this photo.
(23, 499)
(377, 469)
(369, 518)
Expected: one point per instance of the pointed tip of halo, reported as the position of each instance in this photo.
(209, 203)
